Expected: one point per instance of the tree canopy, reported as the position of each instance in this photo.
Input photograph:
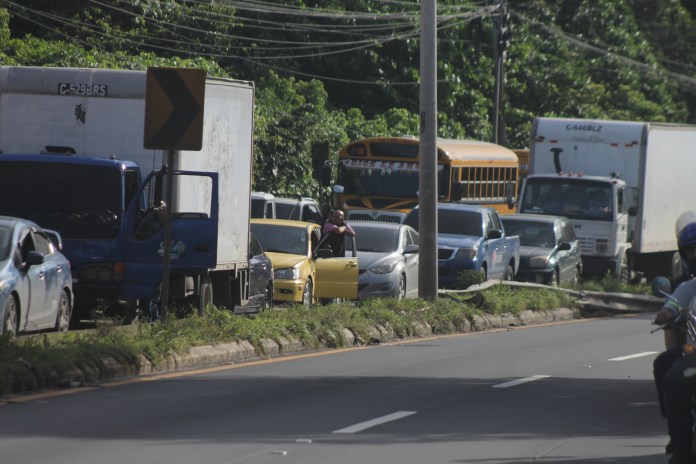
(332, 71)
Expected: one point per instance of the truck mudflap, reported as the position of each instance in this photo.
(230, 289)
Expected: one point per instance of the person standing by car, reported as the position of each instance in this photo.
(335, 229)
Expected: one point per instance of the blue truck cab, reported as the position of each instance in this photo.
(110, 235)
(471, 238)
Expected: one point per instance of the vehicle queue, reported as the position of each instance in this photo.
(290, 262)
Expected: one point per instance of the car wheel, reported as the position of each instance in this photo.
(307, 294)
(268, 297)
(11, 316)
(553, 280)
(401, 292)
(63, 316)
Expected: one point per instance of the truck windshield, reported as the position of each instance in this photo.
(391, 179)
(80, 202)
(575, 198)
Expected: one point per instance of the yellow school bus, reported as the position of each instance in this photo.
(378, 177)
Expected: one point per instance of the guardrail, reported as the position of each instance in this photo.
(592, 302)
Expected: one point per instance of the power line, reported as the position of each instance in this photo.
(682, 78)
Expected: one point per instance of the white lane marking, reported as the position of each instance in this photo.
(631, 356)
(520, 381)
(371, 423)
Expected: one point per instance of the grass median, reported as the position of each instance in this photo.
(46, 360)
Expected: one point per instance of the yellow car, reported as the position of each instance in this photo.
(303, 271)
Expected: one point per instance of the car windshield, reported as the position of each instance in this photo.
(573, 197)
(288, 211)
(532, 233)
(5, 238)
(376, 239)
(282, 239)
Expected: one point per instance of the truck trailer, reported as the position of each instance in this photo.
(73, 160)
(622, 183)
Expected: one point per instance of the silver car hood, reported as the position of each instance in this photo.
(367, 259)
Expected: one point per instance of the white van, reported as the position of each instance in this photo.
(263, 205)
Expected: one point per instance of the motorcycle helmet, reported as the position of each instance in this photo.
(687, 246)
(683, 219)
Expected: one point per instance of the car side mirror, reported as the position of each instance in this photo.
(632, 211)
(494, 233)
(564, 246)
(411, 249)
(34, 258)
(323, 253)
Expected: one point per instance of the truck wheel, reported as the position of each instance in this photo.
(205, 295)
(63, 316)
(626, 274)
(307, 294)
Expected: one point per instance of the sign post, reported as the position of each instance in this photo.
(174, 99)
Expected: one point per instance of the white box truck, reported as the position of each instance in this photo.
(73, 160)
(623, 184)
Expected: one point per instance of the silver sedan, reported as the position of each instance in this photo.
(35, 282)
(388, 259)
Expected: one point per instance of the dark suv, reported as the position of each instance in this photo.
(549, 249)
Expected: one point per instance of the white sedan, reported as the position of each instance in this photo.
(388, 259)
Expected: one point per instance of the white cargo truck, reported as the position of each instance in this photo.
(73, 160)
(623, 184)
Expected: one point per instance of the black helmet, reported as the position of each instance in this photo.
(687, 239)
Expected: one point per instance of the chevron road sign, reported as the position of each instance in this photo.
(174, 100)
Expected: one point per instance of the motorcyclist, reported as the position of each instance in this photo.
(675, 373)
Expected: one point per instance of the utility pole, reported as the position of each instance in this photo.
(501, 40)
(427, 176)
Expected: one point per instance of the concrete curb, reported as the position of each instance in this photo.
(236, 352)
(111, 369)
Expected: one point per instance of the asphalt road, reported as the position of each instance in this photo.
(578, 392)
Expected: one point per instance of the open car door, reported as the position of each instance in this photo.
(336, 277)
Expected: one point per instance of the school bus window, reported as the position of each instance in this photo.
(394, 150)
(357, 149)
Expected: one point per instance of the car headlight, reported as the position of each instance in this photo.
(291, 273)
(385, 267)
(542, 261)
(467, 253)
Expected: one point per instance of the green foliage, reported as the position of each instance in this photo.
(469, 277)
(609, 283)
(340, 76)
